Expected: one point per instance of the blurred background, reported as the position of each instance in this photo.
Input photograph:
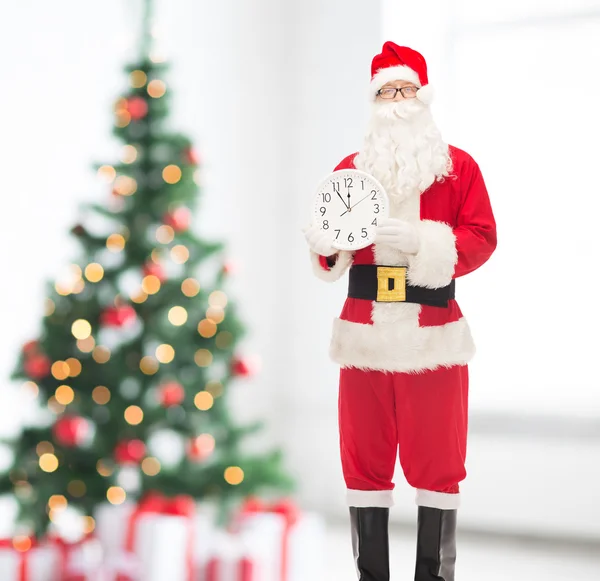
(274, 94)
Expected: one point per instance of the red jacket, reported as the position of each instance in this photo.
(457, 234)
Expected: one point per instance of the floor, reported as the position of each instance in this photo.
(478, 559)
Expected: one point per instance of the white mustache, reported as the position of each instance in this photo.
(396, 110)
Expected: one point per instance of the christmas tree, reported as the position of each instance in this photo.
(139, 348)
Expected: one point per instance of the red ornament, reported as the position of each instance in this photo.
(243, 367)
(130, 452)
(37, 366)
(70, 431)
(137, 107)
(230, 267)
(171, 393)
(179, 219)
(153, 269)
(190, 155)
(120, 316)
(31, 348)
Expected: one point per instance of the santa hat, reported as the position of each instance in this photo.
(400, 63)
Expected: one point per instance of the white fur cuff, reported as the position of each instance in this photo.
(433, 266)
(366, 498)
(440, 500)
(344, 260)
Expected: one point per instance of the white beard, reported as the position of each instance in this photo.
(403, 149)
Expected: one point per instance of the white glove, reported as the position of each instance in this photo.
(318, 240)
(398, 234)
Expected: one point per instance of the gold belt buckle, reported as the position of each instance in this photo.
(398, 275)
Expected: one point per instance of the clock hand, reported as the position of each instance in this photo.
(347, 205)
(359, 201)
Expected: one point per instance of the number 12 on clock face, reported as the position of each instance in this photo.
(348, 205)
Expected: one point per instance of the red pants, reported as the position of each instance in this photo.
(424, 415)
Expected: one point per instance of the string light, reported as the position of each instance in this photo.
(55, 407)
(94, 272)
(203, 358)
(216, 314)
(89, 524)
(86, 345)
(171, 174)
(204, 444)
(178, 316)
(31, 389)
(104, 469)
(207, 328)
(49, 307)
(165, 353)
(48, 462)
(129, 154)
(138, 79)
(115, 243)
(60, 370)
(204, 400)
(215, 388)
(165, 234)
(134, 415)
(116, 495)
(155, 256)
(180, 254)
(217, 299)
(190, 287)
(22, 543)
(81, 329)
(150, 466)
(57, 502)
(123, 118)
(151, 284)
(44, 448)
(125, 186)
(78, 286)
(74, 366)
(107, 173)
(101, 395)
(234, 475)
(64, 395)
(101, 354)
(77, 488)
(149, 365)
(156, 88)
(139, 298)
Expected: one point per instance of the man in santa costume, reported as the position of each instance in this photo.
(404, 380)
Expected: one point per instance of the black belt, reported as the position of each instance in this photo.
(388, 284)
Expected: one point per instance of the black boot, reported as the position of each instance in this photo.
(436, 544)
(370, 542)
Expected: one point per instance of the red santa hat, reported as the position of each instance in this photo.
(400, 63)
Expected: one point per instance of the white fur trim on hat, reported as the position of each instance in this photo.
(366, 498)
(440, 500)
(426, 94)
(390, 74)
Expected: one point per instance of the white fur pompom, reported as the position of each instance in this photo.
(425, 94)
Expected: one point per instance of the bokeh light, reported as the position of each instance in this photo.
(101, 354)
(57, 502)
(44, 448)
(104, 468)
(171, 174)
(215, 388)
(151, 284)
(48, 462)
(115, 242)
(116, 495)
(178, 316)
(150, 466)
(86, 345)
(203, 357)
(134, 415)
(234, 475)
(216, 314)
(207, 328)
(49, 307)
(94, 272)
(203, 400)
(165, 234)
(190, 287)
(77, 488)
(74, 366)
(165, 353)
(64, 394)
(21, 543)
(129, 154)
(81, 329)
(101, 395)
(125, 186)
(217, 299)
(107, 173)
(138, 79)
(156, 88)
(31, 389)
(149, 365)
(180, 254)
(60, 370)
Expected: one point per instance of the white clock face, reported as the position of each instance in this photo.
(349, 205)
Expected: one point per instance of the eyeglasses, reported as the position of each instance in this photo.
(409, 92)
